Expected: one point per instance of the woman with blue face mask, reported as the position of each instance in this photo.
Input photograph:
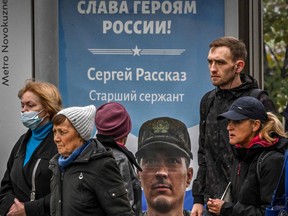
(25, 186)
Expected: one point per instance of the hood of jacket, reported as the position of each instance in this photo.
(248, 83)
(247, 154)
(109, 142)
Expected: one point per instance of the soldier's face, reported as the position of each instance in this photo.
(164, 179)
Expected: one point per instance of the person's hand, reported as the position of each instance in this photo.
(214, 205)
(197, 210)
(17, 209)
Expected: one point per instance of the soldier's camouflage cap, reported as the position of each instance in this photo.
(161, 133)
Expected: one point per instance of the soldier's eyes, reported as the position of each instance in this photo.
(149, 161)
(174, 160)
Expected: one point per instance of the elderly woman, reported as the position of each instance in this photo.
(86, 179)
(25, 185)
(113, 125)
(253, 133)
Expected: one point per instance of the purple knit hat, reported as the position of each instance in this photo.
(113, 120)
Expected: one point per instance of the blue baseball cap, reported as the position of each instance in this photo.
(245, 108)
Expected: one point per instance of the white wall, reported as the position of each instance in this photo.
(16, 67)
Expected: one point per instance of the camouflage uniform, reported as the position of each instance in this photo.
(215, 156)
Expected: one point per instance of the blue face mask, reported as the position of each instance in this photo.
(31, 119)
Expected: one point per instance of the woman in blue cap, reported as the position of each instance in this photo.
(254, 134)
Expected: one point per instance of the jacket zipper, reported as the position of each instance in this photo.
(239, 168)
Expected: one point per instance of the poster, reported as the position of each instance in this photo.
(150, 56)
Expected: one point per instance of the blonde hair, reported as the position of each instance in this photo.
(272, 126)
(48, 93)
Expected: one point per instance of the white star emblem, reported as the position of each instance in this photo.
(136, 51)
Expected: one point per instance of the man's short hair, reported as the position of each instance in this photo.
(237, 47)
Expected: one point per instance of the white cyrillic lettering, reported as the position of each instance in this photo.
(79, 7)
(91, 7)
(107, 25)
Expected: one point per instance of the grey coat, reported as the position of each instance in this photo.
(127, 165)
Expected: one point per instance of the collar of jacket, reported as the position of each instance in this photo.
(93, 151)
(248, 83)
(109, 142)
(40, 153)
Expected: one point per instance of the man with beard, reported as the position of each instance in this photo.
(164, 153)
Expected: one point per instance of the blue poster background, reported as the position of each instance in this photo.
(151, 60)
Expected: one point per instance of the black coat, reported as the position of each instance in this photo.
(17, 179)
(252, 193)
(90, 185)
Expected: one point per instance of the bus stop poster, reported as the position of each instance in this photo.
(150, 56)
